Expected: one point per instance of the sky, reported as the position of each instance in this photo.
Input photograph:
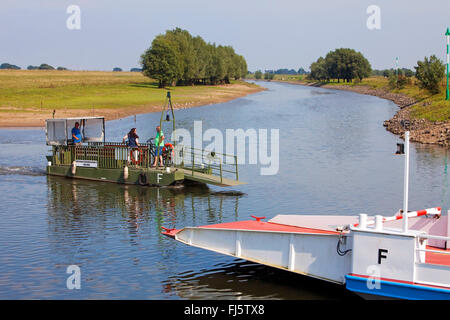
(269, 34)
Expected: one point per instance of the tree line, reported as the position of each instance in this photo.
(178, 58)
(300, 71)
(341, 64)
(43, 66)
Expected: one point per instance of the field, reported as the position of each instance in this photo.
(27, 97)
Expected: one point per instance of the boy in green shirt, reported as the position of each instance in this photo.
(159, 143)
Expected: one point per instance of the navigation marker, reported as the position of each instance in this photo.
(448, 40)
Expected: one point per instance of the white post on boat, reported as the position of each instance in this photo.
(378, 222)
(406, 183)
(362, 221)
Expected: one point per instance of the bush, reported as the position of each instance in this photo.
(398, 82)
(269, 76)
(429, 74)
(45, 66)
(9, 66)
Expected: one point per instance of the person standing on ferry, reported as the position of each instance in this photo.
(159, 143)
(76, 134)
(133, 142)
(132, 137)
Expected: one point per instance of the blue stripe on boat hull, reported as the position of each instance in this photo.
(397, 290)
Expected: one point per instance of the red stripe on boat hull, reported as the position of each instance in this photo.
(253, 225)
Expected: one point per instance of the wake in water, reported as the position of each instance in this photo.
(22, 170)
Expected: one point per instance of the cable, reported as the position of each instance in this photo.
(338, 247)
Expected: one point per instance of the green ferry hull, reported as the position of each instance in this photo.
(136, 176)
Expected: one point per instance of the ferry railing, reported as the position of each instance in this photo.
(116, 155)
(431, 272)
(108, 155)
(428, 236)
(206, 161)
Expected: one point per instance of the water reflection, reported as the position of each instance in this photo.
(74, 202)
(431, 161)
(246, 280)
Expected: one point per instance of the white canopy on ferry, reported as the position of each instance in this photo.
(59, 131)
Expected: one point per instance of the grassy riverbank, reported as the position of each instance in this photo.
(28, 97)
(425, 115)
(423, 104)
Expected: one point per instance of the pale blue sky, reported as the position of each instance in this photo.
(269, 34)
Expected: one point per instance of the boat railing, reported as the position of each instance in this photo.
(206, 161)
(431, 265)
(116, 155)
(423, 237)
(108, 155)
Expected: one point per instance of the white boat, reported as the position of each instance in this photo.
(406, 255)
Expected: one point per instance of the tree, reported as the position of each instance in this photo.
(318, 70)
(45, 66)
(162, 61)
(117, 69)
(429, 73)
(9, 66)
(177, 56)
(301, 71)
(258, 74)
(269, 76)
(187, 58)
(343, 63)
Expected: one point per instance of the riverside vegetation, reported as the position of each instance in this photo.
(420, 94)
(197, 72)
(178, 58)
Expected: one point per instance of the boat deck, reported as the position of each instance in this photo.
(437, 258)
(253, 225)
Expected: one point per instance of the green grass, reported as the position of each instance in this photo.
(25, 90)
(429, 106)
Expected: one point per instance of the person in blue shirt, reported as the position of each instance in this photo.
(76, 134)
(132, 137)
(133, 143)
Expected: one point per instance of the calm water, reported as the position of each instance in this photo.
(335, 158)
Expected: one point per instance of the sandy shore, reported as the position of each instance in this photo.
(421, 130)
(35, 118)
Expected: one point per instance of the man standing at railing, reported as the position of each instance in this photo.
(159, 143)
(76, 134)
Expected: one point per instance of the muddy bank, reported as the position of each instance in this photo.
(421, 130)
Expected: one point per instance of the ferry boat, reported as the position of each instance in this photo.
(403, 256)
(97, 159)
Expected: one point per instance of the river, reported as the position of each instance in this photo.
(335, 158)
